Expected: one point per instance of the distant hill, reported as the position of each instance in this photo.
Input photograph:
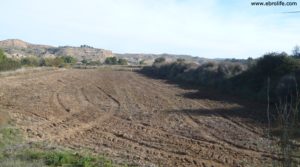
(16, 48)
(149, 58)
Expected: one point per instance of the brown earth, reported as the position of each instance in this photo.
(133, 119)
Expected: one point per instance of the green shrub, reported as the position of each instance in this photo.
(2, 56)
(122, 62)
(247, 79)
(115, 61)
(94, 63)
(111, 61)
(30, 61)
(64, 158)
(273, 66)
(8, 63)
(160, 60)
(42, 62)
(69, 60)
(54, 62)
(208, 74)
(84, 61)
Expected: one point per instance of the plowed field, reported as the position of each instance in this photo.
(133, 119)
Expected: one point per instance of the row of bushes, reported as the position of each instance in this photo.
(251, 80)
(51, 62)
(208, 74)
(13, 64)
(276, 71)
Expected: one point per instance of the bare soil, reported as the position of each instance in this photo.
(133, 119)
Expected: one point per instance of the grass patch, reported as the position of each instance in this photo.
(64, 158)
(15, 152)
(9, 136)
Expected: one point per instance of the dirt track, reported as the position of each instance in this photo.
(131, 118)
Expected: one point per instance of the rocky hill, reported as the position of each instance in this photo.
(17, 48)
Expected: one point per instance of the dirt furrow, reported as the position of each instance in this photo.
(133, 119)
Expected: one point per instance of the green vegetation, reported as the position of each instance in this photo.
(33, 61)
(15, 152)
(111, 61)
(63, 158)
(30, 61)
(62, 61)
(94, 63)
(115, 61)
(122, 62)
(7, 63)
(159, 60)
(282, 71)
(142, 62)
(68, 60)
(248, 79)
(209, 74)
(8, 136)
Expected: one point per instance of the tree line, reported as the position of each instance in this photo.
(7, 63)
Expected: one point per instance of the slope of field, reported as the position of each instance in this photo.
(131, 118)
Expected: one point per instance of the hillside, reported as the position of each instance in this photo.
(16, 48)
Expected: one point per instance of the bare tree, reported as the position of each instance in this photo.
(286, 124)
(296, 51)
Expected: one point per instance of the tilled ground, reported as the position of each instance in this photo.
(133, 119)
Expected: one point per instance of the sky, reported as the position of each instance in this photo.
(204, 28)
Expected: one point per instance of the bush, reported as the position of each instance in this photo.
(30, 61)
(64, 158)
(208, 74)
(94, 63)
(273, 66)
(84, 61)
(8, 63)
(246, 79)
(111, 61)
(160, 60)
(69, 60)
(122, 62)
(54, 62)
(115, 61)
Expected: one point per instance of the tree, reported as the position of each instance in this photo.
(84, 61)
(159, 60)
(180, 60)
(111, 61)
(2, 56)
(69, 59)
(296, 51)
(122, 62)
(142, 62)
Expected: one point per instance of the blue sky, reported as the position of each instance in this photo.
(205, 28)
